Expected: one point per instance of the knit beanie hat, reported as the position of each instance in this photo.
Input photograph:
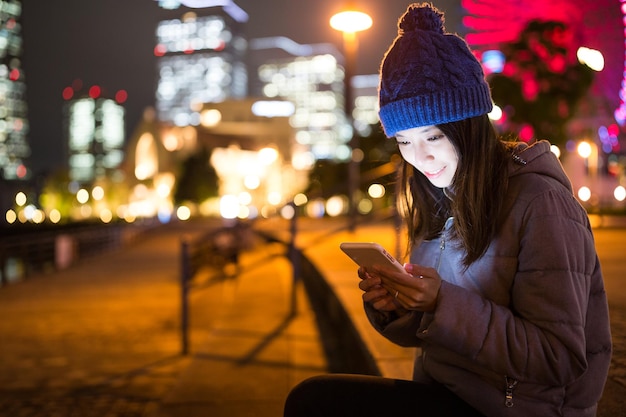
(428, 76)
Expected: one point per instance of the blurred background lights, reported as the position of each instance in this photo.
(365, 206)
(121, 96)
(584, 193)
(68, 93)
(493, 61)
(252, 182)
(183, 213)
(336, 205)
(315, 208)
(351, 21)
(376, 190)
(584, 149)
(11, 216)
(85, 211)
(244, 212)
(590, 57)
(273, 108)
(95, 91)
(300, 199)
(210, 117)
(245, 198)
(287, 212)
(20, 199)
(619, 193)
(82, 196)
(163, 190)
(97, 193)
(29, 211)
(54, 216)
(106, 216)
(39, 216)
(267, 156)
(229, 206)
(274, 197)
(496, 113)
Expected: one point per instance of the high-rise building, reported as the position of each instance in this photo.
(312, 78)
(201, 58)
(95, 133)
(14, 149)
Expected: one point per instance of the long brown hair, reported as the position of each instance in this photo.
(475, 197)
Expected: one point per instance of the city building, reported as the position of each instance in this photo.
(365, 108)
(311, 77)
(14, 148)
(200, 58)
(94, 128)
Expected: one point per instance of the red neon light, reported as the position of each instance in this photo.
(68, 93)
(95, 91)
(160, 50)
(121, 96)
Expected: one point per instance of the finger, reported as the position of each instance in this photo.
(398, 295)
(375, 294)
(363, 273)
(385, 303)
(368, 283)
(392, 290)
(420, 271)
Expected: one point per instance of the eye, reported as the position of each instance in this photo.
(436, 138)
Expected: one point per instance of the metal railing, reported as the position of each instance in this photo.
(221, 247)
(215, 249)
(33, 251)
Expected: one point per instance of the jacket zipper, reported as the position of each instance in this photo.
(442, 241)
(508, 393)
(442, 246)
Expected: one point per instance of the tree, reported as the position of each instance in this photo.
(328, 177)
(542, 82)
(198, 180)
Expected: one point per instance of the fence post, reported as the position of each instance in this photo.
(184, 296)
(295, 260)
(4, 280)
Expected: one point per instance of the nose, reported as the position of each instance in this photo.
(421, 153)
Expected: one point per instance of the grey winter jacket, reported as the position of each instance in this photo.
(524, 331)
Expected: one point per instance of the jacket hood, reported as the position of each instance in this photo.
(538, 159)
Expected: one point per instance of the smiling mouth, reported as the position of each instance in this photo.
(434, 174)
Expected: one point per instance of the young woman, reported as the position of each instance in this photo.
(503, 294)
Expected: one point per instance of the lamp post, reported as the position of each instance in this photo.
(349, 22)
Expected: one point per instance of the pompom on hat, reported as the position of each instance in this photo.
(429, 76)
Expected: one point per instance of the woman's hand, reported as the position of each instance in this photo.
(417, 290)
(377, 295)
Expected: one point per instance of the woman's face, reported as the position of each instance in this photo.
(430, 152)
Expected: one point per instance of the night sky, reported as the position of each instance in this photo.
(110, 43)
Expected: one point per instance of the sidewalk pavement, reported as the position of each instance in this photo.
(102, 338)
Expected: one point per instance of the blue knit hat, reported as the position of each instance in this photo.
(428, 76)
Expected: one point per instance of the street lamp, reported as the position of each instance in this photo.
(349, 22)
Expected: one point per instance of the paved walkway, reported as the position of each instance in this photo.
(102, 338)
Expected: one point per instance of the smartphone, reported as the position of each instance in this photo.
(368, 254)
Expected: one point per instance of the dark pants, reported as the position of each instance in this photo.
(363, 396)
